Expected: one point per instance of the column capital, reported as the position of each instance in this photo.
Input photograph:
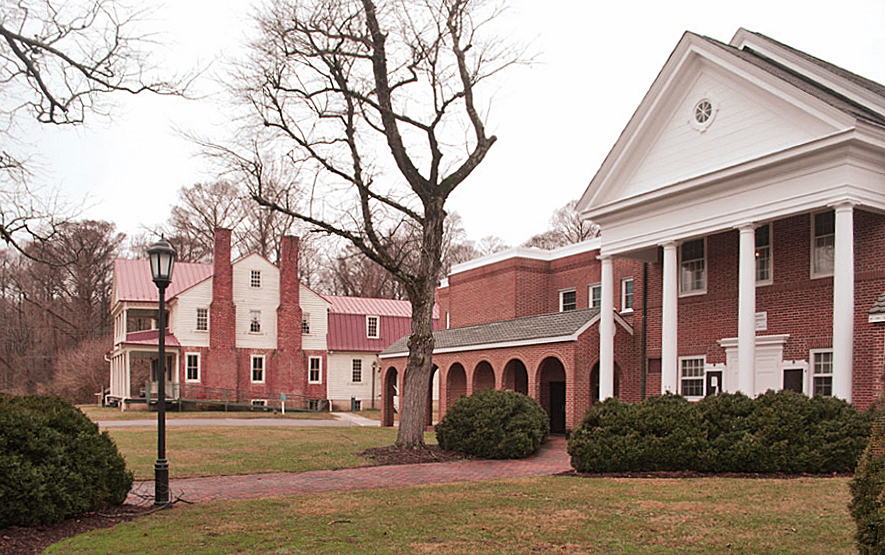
(843, 205)
(604, 257)
(672, 244)
(746, 227)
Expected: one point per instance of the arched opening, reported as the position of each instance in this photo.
(456, 384)
(553, 392)
(483, 377)
(516, 377)
(389, 396)
(594, 383)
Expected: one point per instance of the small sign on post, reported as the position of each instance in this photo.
(283, 403)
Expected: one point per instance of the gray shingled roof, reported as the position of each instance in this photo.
(808, 85)
(878, 306)
(534, 329)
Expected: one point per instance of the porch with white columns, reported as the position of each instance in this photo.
(669, 324)
(843, 301)
(607, 331)
(747, 310)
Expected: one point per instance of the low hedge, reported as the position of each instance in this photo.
(779, 431)
(54, 463)
(494, 425)
(868, 492)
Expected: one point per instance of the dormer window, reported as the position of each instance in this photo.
(255, 278)
(372, 327)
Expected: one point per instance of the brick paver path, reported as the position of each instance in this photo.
(551, 459)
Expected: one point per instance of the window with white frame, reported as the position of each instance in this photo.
(192, 367)
(372, 327)
(255, 278)
(568, 300)
(305, 323)
(693, 267)
(202, 319)
(596, 295)
(763, 254)
(257, 368)
(255, 321)
(822, 372)
(691, 376)
(356, 373)
(314, 370)
(823, 243)
(626, 294)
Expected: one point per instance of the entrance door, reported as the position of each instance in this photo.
(557, 407)
(793, 379)
(714, 382)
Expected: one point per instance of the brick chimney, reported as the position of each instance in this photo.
(221, 360)
(290, 375)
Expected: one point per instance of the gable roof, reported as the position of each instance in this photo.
(372, 307)
(546, 328)
(132, 279)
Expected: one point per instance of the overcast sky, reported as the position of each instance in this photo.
(555, 121)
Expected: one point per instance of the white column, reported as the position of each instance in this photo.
(607, 331)
(843, 301)
(669, 329)
(747, 310)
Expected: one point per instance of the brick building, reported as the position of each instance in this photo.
(747, 193)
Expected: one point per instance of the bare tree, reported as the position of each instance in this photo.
(201, 209)
(566, 228)
(58, 62)
(375, 104)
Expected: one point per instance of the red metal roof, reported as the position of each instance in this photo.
(149, 338)
(347, 332)
(373, 307)
(134, 283)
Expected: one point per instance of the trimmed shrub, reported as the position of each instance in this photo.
(494, 425)
(779, 431)
(868, 493)
(54, 463)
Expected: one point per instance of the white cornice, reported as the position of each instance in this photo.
(530, 253)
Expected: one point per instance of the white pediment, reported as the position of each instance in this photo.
(753, 114)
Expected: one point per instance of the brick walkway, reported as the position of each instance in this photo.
(551, 459)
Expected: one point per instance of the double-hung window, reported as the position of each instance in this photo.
(596, 295)
(823, 243)
(305, 323)
(255, 278)
(822, 373)
(257, 368)
(763, 254)
(693, 267)
(192, 367)
(626, 294)
(202, 319)
(356, 373)
(314, 370)
(568, 300)
(691, 376)
(255, 321)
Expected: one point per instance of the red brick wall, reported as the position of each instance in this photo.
(221, 360)
(288, 359)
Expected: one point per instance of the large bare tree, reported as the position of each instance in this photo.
(376, 105)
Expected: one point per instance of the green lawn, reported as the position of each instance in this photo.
(218, 451)
(96, 413)
(536, 515)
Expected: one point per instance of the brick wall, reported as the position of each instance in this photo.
(221, 360)
(288, 360)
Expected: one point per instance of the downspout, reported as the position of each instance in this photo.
(643, 347)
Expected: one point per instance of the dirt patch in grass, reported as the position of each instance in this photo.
(18, 540)
(392, 454)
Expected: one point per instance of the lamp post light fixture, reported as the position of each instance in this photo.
(162, 257)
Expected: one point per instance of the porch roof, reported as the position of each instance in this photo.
(546, 328)
(150, 338)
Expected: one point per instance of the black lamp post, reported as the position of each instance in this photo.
(162, 256)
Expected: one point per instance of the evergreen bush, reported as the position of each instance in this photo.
(494, 425)
(779, 431)
(868, 493)
(54, 463)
